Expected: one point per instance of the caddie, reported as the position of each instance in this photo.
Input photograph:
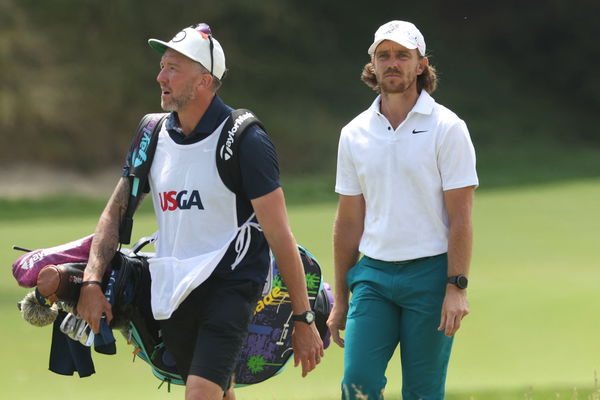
(212, 252)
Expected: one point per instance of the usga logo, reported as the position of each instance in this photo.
(226, 152)
(172, 200)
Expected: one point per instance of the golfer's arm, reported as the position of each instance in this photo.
(272, 216)
(106, 237)
(347, 232)
(459, 205)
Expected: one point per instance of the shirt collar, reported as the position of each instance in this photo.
(214, 115)
(424, 104)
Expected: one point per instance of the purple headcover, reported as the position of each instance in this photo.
(28, 266)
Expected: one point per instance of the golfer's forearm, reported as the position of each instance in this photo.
(346, 238)
(106, 237)
(460, 243)
(459, 205)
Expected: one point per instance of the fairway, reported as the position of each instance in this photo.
(532, 332)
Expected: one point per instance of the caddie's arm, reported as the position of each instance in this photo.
(347, 232)
(92, 304)
(459, 205)
(272, 216)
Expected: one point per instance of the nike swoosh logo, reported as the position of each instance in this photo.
(416, 131)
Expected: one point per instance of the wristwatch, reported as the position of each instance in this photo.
(460, 281)
(308, 317)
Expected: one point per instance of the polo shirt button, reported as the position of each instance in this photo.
(389, 129)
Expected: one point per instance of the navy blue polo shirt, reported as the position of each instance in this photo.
(260, 176)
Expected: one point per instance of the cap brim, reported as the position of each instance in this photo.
(376, 43)
(372, 48)
(158, 45)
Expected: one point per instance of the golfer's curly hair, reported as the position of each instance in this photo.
(427, 80)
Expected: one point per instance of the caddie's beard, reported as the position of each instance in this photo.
(176, 103)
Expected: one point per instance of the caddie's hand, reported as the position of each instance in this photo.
(337, 322)
(92, 305)
(454, 309)
(307, 346)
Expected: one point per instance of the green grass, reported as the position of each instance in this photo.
(532, 332)
(16, 210)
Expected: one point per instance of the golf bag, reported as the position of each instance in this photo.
(265, 351)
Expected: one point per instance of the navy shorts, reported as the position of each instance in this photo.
(206, 332)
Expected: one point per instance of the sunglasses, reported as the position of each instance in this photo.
(204, 28)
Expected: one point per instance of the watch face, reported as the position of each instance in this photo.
(307, 317)
(462, 282)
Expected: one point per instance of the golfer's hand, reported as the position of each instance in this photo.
(454, 309)
(92, 305)
(337, 322)
(307, 346)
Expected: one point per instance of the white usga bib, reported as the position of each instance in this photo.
(196, 215)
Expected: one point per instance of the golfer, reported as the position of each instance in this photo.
(212, 252)
(405, 178)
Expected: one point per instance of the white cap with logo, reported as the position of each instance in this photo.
(196, 43)
(401, 32)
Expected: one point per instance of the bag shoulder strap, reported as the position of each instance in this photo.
(142, 154)
(228, 162)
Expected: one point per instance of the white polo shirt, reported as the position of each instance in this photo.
(402, 174)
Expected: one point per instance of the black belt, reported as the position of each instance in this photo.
(400, 262)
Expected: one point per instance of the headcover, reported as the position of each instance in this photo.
(27, 267)
(61, 282)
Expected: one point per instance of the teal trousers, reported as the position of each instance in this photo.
(396, 304)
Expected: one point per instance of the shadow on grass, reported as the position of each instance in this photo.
(501, 168)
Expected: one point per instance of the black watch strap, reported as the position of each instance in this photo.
(459, 281)
(308, 317)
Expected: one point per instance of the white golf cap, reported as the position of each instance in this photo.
(401, 32)
(195, 43)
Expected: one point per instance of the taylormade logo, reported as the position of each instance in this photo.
(226, 152)
(140, 156)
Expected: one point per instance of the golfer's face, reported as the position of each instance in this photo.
(177, 78)
(396, 67)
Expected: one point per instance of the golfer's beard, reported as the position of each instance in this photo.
(399, 87)
(177, 103)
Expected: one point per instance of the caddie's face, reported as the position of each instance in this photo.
(397, 67)
(178, 79)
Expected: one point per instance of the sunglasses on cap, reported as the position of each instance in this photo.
(204, 28)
